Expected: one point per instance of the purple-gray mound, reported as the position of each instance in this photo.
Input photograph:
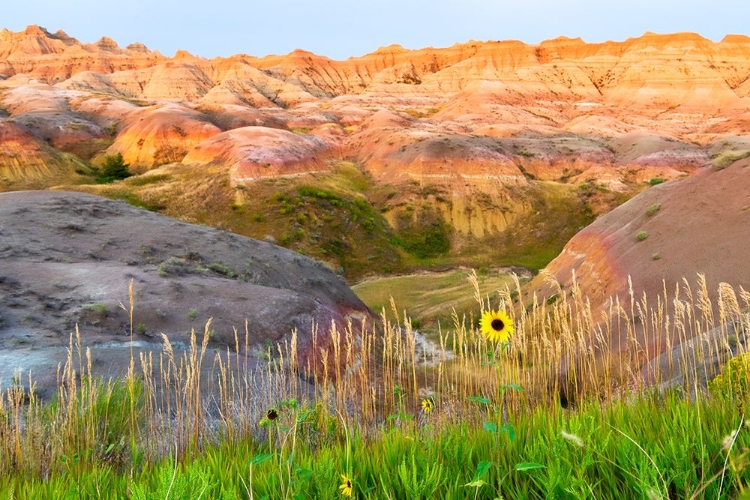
(67, 259)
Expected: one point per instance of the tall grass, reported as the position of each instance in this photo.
(562, 411)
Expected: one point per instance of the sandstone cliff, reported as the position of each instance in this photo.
(481, 137)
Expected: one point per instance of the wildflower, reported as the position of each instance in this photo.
(346, 485)
(496, 326)
(269, 417)
(428, 405)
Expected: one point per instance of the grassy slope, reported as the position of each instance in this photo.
(430, 298)
(338, 217)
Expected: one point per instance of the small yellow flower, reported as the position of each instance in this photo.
(428, 405)
(496, 326)
(346, 485)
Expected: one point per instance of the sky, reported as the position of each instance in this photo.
(343, 28)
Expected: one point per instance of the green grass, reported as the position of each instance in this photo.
(654, 446)
(496, 429)
(144, 180)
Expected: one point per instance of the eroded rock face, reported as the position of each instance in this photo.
(698, 223)
(475, 117)
(664, 242)
(477, 124)
(68, 259)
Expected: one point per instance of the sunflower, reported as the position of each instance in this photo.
(269, 417)
(428, 405)
(496, 326)
(346, 485)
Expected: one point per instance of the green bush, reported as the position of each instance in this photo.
(652, 209)
(430, 242)
(113, 169)
(641, 236)
(733, 381)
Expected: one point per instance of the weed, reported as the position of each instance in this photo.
(726, 158)
(222, 269)
(734, 381)
(178, 266)
(652, 209)
(98, 308)
(642, 235)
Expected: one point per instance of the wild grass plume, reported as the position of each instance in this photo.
(552, 410)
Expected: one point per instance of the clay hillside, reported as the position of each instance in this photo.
(482, 153)
(663, 241)
(68, 260)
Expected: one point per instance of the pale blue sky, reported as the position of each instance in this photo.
(339, 29)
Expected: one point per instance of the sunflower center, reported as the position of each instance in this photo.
(497, 324)
(348, 484)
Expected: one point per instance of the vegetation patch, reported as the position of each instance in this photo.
(478, 414)
(723, 160)
(652, 209)
(113, 169)
(431, 298)
(177, 266)
(145, 180)
(428, 237)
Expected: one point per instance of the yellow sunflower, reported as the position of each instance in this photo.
(346, 485)
(270, 416)
(428, 405)
(496, 326)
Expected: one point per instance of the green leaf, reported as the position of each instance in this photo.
(257, 459)
(511, 386)
(304, 474)
(490, 426)
(482, 468)
(510, 430)
(291, 403)
(479, 399)
(523, 466)
(477, 483)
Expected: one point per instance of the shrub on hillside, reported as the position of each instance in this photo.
(113, 169)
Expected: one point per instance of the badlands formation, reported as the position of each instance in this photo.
(488, 153)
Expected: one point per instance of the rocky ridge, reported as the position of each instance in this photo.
(482, 139)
